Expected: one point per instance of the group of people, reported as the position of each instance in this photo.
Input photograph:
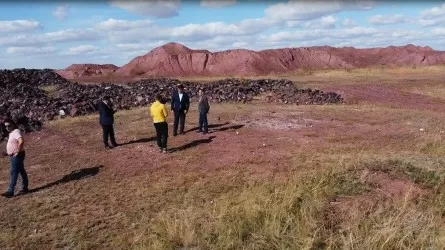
(180, 104)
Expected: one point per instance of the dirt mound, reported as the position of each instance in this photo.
(174, 60)
(84, 70)
(91, 67)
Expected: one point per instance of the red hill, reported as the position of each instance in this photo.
(175, 60)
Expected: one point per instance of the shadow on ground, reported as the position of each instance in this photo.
(143, 140)
(210, 126)
(234, 127)
(193, 144)
(73, 176)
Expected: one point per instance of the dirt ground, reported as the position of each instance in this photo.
(85, 197)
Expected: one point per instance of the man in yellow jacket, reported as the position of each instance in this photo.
(159, 114)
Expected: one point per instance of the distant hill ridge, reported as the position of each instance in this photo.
(176, 60)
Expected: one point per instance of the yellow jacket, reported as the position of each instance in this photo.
(159, 112)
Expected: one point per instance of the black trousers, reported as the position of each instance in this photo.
(179, 120)
(108, 132)
(203, 123)
(161, 134)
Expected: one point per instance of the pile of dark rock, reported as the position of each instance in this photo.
(33, 96)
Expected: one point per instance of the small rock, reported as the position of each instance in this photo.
(62, 113)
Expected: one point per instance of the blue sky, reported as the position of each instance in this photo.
(55, 34)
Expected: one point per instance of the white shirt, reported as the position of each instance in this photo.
(12, 146)
(180, 96)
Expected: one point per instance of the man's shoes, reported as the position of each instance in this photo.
(7, 194)
(161, 150)
(115, 145)
(164, 151)
(108, 147)
(182, 133)
(23, 192)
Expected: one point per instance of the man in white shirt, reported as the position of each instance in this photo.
(16, 151)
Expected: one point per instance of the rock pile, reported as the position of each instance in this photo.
(34, 96)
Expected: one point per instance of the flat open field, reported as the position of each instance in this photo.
(368, 174)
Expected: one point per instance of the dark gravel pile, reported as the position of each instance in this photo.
(33, 96)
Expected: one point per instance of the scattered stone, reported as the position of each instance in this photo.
(31, 96)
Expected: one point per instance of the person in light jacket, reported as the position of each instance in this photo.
(15, 149)
(203, 109)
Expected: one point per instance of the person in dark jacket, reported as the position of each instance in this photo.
(203, 109)
(106, 119)
(179, 105)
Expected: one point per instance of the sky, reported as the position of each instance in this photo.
(56, 34)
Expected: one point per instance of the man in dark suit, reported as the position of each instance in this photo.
(106, 119)
(180, 105)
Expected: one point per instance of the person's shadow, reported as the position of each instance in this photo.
(73, 176)
(234, 127)
(193, 144)
(143, 140)
(210, 126)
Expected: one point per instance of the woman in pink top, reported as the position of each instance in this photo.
(16, 152)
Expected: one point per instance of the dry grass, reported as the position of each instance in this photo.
(333, 76)
(310, 187)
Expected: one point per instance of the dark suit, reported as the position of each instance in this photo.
(106, 119)
(179, 108)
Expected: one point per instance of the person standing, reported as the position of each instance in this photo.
(159, 113)
(180, 105)
(16, 151)
(106, 119)
(203, 109)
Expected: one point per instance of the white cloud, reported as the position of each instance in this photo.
(385, 20)
(432, 17)
(68, 35)
(216, 3)
(82, 49)
(60, 12)
(431, 22)
(155, 8)
(438, 32)
(129, 46)
(306, 35)
(19, 25)
(240, 44)
(349, 23)
(433, 12)
(145, 47)
(326, 22)
(116, 25)
(193, 32)
(30, 50)
(302, 11)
